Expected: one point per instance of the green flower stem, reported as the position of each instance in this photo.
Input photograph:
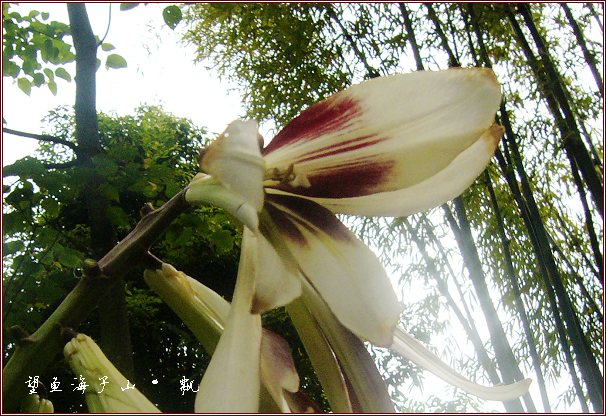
(32, 358)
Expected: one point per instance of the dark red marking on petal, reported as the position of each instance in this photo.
(341, 147)
(285, 224)
(347, 181)
(331, 114)
(312, 213)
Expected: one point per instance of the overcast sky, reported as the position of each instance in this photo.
(160, 71)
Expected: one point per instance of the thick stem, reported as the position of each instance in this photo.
(115, 333)
(32, 357)
(442, 285)
(519, 304)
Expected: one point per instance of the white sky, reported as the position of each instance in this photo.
(160, 71)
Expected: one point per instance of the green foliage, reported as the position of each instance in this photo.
(36, 51)
(148, 157)
(172, 16)
(32, 47)
(115, 61)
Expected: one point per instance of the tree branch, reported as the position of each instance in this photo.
(63, 165)
(33, 357)
(41, 137)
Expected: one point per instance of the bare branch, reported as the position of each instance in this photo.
(41, 137)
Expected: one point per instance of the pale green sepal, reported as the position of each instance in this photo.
(206, 189)
(205, 319)
(205, 313)
(321, 355)
(410, 348)
(86, 359)
(33, 403)
(358, 366)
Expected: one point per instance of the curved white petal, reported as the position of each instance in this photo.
(385, 134)
(207, 189)
(347, 275)
(278, 368)
(276, 282)
(410, 348)
(232, 380)
(445, 185)
(235, 160)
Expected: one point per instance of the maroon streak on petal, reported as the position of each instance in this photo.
(346, 181)
(332, 114)
(285, 224)
(342, 147)
(307, 214)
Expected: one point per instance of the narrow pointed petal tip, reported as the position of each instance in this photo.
(495, 134)
(405, 345)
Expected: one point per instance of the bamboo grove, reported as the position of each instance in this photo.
(519, 254)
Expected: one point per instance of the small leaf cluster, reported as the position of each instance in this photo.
(34, 51)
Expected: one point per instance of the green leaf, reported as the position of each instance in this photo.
(52, 86)
(44, 15)
(118, 217)
(67, 257)
(128, 6)
(38, 79)
(24, 85)
(115, 61)
(107, 47)
(63, 74)
(172, 16)
(11, 69)
(223, 240)
(49, 73)
(12, 247)
(51, 206)
(110, 192)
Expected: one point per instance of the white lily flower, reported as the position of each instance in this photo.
(388, 146)
(206, 314)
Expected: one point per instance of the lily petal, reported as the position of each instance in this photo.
(278, 368)
(348, 276)
(384, 134)
(235, 160)
(206, 189)
(205, 313)
(231, 382)
(276, 282)
(410, 348)
(445, 185)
